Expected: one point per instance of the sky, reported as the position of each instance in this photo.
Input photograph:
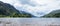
(35, 7)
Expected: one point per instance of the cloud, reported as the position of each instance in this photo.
(35, 7)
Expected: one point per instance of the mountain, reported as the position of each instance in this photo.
(53, 14)
(7, 10)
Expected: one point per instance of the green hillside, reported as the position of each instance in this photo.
(53, 14)
(7, 10)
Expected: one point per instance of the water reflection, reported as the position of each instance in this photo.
(29, 21)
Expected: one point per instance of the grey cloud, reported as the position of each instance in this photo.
(57, 0)
(27, 2)
(24, 1)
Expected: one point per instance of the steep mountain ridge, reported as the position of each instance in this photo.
(7, 10)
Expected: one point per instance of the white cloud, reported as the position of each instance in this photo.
(35, 7)
(10, 1)
(45, 6)
(18, 4)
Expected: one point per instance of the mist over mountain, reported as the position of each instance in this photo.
(7, 10)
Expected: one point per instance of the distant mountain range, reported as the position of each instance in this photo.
(53, 14)
(7, 10)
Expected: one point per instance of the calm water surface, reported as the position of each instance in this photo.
(31, 21)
